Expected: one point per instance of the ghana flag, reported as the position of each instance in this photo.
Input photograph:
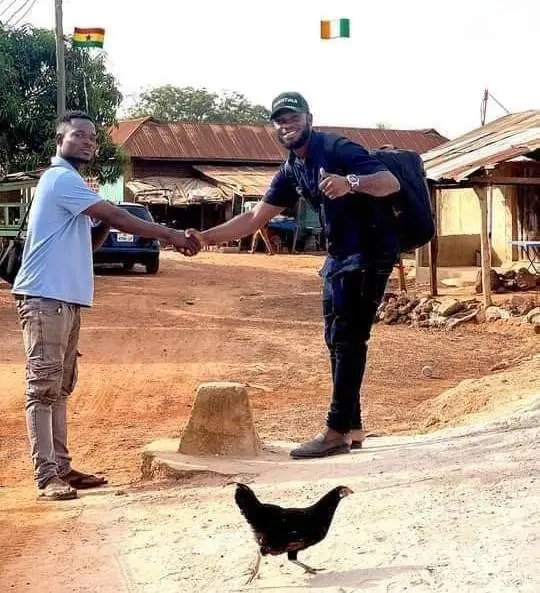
(88, 37)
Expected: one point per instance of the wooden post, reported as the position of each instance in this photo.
(485, 245)
(433, 247)
(60, 60)
(401, 272)
(299, 207)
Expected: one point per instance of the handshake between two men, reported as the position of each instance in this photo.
(188, 242)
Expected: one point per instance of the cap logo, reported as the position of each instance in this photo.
(286, 100)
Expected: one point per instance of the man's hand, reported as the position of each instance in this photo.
(198, 235)
(333, 186)
(185, 242)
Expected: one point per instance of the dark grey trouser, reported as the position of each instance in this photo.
(51, 336)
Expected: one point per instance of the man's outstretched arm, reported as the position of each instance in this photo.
(117, 218)
(241, 225)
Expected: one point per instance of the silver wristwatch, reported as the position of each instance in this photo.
(353, 180)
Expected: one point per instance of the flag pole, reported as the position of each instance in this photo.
(85, 62)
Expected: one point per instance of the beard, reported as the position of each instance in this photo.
(299, 142)
(77, 161)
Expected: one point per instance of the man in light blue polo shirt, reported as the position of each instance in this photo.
(55, 280)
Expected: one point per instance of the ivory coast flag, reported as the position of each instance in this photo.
(335, 28)
(88, 37)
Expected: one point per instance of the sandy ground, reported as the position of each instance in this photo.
(146, 345)
(453, 511)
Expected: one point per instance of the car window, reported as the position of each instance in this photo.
(139, 212)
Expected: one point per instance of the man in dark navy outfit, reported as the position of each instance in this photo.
(348, 187)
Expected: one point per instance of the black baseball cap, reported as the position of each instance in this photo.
(289, 101)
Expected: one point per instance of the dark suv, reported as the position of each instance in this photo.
(128, 250)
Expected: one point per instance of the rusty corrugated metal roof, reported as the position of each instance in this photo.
(201, 142)
(510, 136)
(418, 140)
(175, 191)
(249, 181)
(121, 132)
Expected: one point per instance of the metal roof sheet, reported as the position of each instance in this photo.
(175, 190)
(504, 139)
(150, 139)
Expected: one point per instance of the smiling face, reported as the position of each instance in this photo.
(76, 140)
(292, 128)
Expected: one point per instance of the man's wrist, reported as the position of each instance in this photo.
(168, 235)
(353, 181)
(206, 237)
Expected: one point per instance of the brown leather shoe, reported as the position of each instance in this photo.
(57, 489)
(358, 437)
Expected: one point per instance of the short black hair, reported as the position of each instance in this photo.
(68, 116)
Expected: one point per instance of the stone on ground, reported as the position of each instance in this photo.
(221, 423)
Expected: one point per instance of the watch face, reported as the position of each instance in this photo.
(352, 178)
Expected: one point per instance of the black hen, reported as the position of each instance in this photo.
(279, 530)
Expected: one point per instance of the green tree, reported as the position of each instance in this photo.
(172, 103)
(28, 100)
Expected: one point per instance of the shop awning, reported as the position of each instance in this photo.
(246, 181)
(176, 191)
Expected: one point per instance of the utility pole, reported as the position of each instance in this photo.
(483, 108)
(60, 61)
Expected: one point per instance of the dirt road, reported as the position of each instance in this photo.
(149, 341)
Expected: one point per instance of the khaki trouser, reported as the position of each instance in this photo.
(51, 335)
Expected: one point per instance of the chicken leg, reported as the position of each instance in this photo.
(254, 571)
(292, 555)
(307, 568)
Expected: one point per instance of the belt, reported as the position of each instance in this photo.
(24, 297)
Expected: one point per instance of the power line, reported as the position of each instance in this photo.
(499, 104)
(21, 7)
(25, 13)
(483, 107)
(7, 8)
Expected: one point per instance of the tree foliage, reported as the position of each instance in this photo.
(28, 100)
(172, 103)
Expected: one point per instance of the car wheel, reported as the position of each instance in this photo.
(152, 266)
(128, 266)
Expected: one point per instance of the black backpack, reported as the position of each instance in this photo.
(414, 223)
(414, 220)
